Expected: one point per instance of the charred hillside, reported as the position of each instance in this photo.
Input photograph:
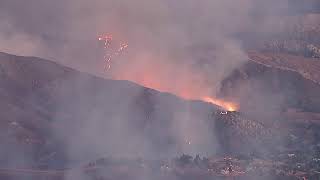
(279, 91)
(54, 117)
(294, 80)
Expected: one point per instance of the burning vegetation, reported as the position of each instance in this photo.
(257, 119)
(112, 50)
(238, 135)
(229, 106)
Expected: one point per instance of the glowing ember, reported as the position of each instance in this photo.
(107, 40)
(111, 51)
(150, 77)
(230, 106)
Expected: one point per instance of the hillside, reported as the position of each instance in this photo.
(54, 118)
(55, 115)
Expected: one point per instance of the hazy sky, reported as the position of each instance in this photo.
(66, 30)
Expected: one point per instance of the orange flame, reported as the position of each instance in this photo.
(229, 106)
(149, 74)
(153, 82)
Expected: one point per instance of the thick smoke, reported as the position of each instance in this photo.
(67, 30)
(183, 47)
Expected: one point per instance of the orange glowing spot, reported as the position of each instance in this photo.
(110, 49)
(154, 75)
(229, 106)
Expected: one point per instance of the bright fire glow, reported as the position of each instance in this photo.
(190, 95)
(229, 106)
(151, 76)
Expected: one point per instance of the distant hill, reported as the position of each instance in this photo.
(56, 117)
(51, 113)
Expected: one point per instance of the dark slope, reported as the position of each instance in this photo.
(56, 117)
(50, 113)
(275, 82)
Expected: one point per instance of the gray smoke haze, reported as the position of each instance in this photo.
(174, 45)
(192, 41)
(163, 37)
(67, 30)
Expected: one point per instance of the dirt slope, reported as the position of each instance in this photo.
(309, 68)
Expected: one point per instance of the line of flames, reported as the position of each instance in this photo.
(110, 52)
(229, 106)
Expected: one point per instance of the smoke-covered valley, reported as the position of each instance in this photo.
(165, 93)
